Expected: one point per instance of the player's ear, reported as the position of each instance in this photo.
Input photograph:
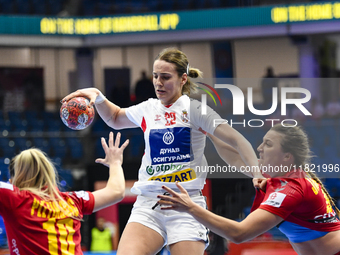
(10, 181)
(184, 79)
(288, 156)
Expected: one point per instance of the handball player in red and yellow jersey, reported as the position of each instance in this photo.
(39, 219)
(295, 200)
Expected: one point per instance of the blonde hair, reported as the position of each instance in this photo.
(35, 172)
(181, 62)
(295, 141)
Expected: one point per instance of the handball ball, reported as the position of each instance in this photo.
(76, 114)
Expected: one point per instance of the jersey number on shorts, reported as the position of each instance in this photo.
(170, 118)
(65, 231)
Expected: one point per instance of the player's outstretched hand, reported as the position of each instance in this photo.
(113, 153)
(90, 93)
(176, 201)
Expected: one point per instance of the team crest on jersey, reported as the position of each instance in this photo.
(184, 116)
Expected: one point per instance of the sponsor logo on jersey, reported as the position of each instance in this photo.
(163, 168)
(158, 117)
(325, 218)
(275, 199)
(170, 145)
(15, 247)
(168, 138)
(181, 176)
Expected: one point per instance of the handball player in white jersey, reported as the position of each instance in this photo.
(174, 145)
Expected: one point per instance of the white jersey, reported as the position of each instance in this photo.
(174, 144)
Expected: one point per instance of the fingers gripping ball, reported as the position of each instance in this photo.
(76, 114)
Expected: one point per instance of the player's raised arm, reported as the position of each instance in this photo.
(227, 152)
(115, 187)
(112, 114)
(235, 139)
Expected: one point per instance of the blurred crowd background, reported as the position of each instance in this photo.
(36, 71)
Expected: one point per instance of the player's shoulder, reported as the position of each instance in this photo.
(6, 186)
(285, 185)
(152, 101)
(9, 192)
(147, 105)
(193, 101)
(194, 104)
(79, 195)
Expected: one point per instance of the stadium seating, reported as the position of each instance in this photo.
(35, 128)
(65, 179)
(333, 187)
(75, 147)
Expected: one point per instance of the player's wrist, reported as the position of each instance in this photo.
(115, 163)
(193, 208)
(100, 98)
(256, 172)
(258, 175)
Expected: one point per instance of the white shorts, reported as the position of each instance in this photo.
(173, 226)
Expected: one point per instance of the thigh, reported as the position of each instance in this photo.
(182, 227)
(138, 239)
(187, 247)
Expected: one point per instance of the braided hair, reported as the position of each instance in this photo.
(295, 141)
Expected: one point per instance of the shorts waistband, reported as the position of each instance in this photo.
(193, 193)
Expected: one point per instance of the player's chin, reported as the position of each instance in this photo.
(163, 98)
(263, 165)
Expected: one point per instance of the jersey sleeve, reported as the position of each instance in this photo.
(84, 201)
(7, 196)
(135, 112)
(208, 122)
(282, 203)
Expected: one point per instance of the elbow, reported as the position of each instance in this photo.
(117, 195)
(113, 121)
(237, 238)
(115, 126)
(120, 196)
